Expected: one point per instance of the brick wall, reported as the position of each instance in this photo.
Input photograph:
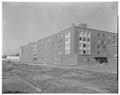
(53, 49)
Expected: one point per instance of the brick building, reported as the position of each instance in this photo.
(77, 45)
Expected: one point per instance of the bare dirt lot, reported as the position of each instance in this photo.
(44, 79)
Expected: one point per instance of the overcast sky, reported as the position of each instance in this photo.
(24, 22)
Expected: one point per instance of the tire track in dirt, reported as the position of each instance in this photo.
(37, 89)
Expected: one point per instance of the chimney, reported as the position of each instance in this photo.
(83, 25)
(73, 24)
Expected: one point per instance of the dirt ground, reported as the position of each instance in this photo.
(56, 80)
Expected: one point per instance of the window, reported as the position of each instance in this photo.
(84, 51)
(67, 48)
(84, 39)
(67, 34)
(34, 59)
(84, 33)
(88, 59)
(85, 59)
(113, 37)
(103, 35)
(88, 45)
(80, 44)
(98, 52)
(84, 45)
(67, 40)
(109, 36)
(98, 34)
(88, 51)
(80, 38)
(80, 33)
(105, 42)
(98, 46)
(88, 39)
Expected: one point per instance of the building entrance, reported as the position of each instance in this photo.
(101, 60)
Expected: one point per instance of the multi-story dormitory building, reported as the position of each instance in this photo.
(77, 45)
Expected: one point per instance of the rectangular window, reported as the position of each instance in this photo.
(67, 42)
(88, 46)
(84, 45)
(80, 33)
(88, 52)
(84, 39)
(67, 34)
(80, 38)
(67, 48)
(88, 39)
(84, 33)
(98, 46)
(103, 35)
(113, 37)
(84, 52)
(34, 59)
(98, 34)
(85, 59)
(98, 52)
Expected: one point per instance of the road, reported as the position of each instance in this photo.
(45, 79)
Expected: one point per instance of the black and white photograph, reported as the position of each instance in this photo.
(59, 47)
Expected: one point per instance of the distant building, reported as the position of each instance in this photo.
(13, 58)
(77, 45)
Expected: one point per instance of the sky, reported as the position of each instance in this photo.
(23, 22)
